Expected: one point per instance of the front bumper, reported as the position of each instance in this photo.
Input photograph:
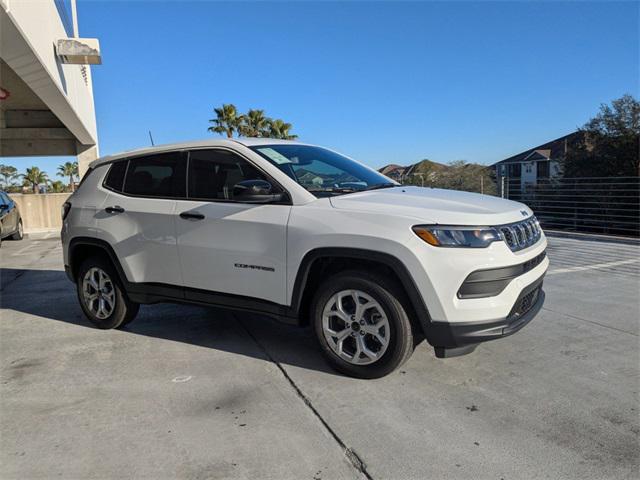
(454, 339)
(473, 285)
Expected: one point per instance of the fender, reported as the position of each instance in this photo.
(386, 259)
(437, 334)
(94, 242)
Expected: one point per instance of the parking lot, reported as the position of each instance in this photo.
(197, 393)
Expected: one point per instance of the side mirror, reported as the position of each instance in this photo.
(255, 191)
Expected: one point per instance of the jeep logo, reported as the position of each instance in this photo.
(524, 213)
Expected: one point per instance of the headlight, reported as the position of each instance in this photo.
(469, 237)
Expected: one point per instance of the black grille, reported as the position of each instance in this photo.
(522, 234)
(524, 303)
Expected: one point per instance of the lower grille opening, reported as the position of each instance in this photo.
(524, 303)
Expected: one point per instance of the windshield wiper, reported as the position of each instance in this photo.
(332, 190)
(380, 185)
(343, 190)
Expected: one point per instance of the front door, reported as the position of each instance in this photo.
(226, 246)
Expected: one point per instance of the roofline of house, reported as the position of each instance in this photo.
(539, 147)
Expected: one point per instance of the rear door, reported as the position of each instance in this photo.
(138, 216)
(226, 246)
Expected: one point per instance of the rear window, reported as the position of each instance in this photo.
(160, 175)
(115, 177)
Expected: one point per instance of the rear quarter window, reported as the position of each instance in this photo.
(115, 177)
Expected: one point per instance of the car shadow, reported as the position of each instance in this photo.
(49, 294)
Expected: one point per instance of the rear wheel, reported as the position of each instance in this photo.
(101, 296)
(362, 325)
(19, 234)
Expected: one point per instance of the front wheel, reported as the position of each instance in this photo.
(362, 325)
(101, 297)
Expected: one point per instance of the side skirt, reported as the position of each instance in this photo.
(149, 293)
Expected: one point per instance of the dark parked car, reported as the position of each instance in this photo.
(10, 220)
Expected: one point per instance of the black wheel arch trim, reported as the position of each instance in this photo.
(433, 336)
(94, 242)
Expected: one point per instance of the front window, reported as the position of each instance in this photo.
(213, 174)
(322, 172)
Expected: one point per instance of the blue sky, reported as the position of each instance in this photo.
(384, 82)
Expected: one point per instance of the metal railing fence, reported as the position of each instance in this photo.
(608, 205)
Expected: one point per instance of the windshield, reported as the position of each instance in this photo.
(322, 172)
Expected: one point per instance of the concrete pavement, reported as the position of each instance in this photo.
(195, 393)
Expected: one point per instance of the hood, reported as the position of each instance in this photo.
(435, 205)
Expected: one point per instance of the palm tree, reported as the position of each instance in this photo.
(226, 121)
(57, 186)
(69, 169)
(254, 124)
(34, 177)
(9, 174)
(280, 129)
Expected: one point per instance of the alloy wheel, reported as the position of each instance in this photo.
(355, 327)
(98, 293)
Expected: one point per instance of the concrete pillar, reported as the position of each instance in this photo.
(85, 155)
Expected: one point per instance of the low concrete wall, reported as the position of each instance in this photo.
(40, 211)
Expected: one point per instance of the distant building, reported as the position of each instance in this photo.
(541, 162)
(395, 172)
(426, 170)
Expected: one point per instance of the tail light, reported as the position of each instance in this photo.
(66, 207)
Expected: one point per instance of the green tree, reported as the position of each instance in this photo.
(227, 120)
(254, 124)
(280, 129)
(69, 169)
(57, 186)
(33, 177)
(609, 143)
(9, 174)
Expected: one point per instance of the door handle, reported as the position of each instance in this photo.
(192, 216)
(116, 209)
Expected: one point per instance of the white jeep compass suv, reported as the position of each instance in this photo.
(306, 235)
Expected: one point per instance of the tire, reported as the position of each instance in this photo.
(19, 233)
(379, 293)
(116, 309)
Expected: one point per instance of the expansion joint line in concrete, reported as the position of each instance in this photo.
(351, 455)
